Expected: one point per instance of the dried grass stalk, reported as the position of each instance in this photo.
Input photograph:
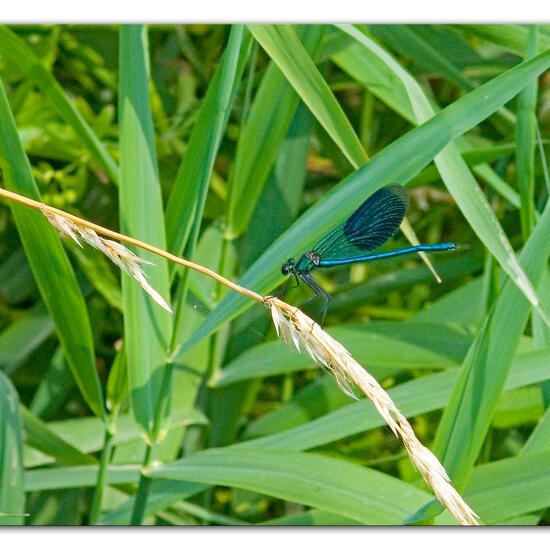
(123, 258)
(297, 329)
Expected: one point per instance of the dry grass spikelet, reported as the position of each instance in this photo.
(297, 329)
(123, 258)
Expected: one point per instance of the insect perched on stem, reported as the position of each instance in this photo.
(354, 241)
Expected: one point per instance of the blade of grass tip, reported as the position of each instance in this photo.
(12, 495)
(525, 142)
(18, 53)
(399, 161)
(50, 265)
(186, 202)
(39, 436)
(285, 48)
(146, 327)
(458, 178)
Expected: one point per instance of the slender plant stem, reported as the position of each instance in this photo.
(140, 502)
(163, 402)
(130, 240)
(95, 510)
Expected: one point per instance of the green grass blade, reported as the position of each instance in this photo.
(67, 477)
(147, 326)
(513, 38)
(284, 47)
(12, 497)
(399, 162)
(39, 436)
(20, 338)
(14, 49)
(259, 142)
(525, 143)
(407, 41)
(87, 434)
(409, 347)
(186, 201)
(163, 493)
(420, 396)
(507, 488)
(467, 418)
(325, 483)
(50, 265)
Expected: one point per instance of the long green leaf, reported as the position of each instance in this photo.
(66, 477)
(325, 483)
(416, 397)
(12, 497)
(147, 326)
(467, 418)
(14, 49)
(50, 265)
(399, 162)
(87, 434)
(409, 347)
(525, 143)
(39, 436)
(513, 38)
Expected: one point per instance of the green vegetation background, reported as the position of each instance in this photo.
(239, 147)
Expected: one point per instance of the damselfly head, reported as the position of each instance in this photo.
(289, 267)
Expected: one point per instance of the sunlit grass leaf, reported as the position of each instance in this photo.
(87, 434)
(66, 477)
(467, 418)
(415, 397)
(325, 483)
(284, 47)
(147, 327)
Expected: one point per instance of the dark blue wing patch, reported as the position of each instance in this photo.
(368, 228)
(377, 219)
